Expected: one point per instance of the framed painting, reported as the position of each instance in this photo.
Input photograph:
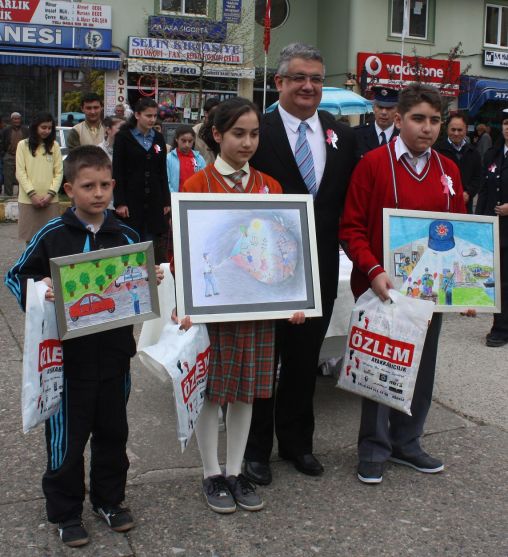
(449, 258)
(104, 289)
(245, 257)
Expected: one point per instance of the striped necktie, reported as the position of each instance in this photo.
(236, 178)
(304, 160)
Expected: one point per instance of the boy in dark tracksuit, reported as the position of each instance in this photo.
(96, 366)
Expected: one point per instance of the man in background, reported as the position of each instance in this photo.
(91, 130)
(11, 136)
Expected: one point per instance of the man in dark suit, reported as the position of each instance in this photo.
(307, 152)
(382, 130)
(464, 155)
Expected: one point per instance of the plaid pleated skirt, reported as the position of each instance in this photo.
(241, 361)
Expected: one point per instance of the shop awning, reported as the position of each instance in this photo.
(61, 58)
(475, 92)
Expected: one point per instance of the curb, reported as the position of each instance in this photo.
(9, 209)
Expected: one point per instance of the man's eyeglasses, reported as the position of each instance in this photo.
(301, 78)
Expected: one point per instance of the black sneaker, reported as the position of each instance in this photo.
(117, 518)
(370, 472)
(217, 495)
(244, 493)
(72, 532)
(422, 462)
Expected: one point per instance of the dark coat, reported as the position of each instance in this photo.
(275, 158)
(494, 190)
(141, 181)
(367, 138)
(470, 166)
(5, 138)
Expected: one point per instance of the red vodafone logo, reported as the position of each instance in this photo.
(373, 65)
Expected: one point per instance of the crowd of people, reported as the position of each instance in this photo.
(352, 174)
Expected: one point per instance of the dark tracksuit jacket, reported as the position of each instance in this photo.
(96, 379)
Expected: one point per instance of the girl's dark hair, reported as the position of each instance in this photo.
(182, 130)
(141, 106)
(33, 137)
(109, 122)
(224, 117)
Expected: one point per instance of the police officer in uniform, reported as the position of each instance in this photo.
(382, 130)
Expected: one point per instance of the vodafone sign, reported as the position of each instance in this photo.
(386, 69)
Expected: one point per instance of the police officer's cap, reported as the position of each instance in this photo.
(385, 97)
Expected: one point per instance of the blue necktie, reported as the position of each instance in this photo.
(304, 160)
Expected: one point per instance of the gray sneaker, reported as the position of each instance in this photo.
(244, 493)
(217, 495)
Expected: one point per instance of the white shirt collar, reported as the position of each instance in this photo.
(505, 149)
(388, 131)
(225, 169)
(292, 122)
(457, 147)
(401, 149)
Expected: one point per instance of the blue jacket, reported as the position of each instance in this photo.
(173, 166)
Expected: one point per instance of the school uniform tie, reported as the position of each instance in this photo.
(236, 178)
(382, 135)
(304, 160)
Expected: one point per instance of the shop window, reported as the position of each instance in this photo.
(279, 12)
(418, 19)
(184, 7)
(496, 26)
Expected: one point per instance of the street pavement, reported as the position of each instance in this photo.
(458, 513)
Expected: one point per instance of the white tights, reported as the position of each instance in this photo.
(238, 420)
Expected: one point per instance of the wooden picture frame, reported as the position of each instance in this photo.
(104, 289)
(245, 257)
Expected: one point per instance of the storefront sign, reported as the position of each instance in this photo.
(385, 69)
(167, 68)
(51, 36)
(196, 51)
(495, 58)
(232, 11)
(186, 28)
(46, 12)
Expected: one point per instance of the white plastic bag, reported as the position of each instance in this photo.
(41, 393)
(384, 348)
(184, 356)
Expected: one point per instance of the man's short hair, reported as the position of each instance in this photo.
(460, 116)
(417, 93)
(297, 50)
(90, 98)
(86, 156)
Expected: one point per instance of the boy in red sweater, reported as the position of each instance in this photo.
(404, 174)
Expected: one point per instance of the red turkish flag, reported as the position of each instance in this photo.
(268, 25)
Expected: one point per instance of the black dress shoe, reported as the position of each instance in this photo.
(258, 472)
(305, 463)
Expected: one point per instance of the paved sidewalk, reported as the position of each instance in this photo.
(460, 513)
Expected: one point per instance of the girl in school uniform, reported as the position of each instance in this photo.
(183, 161)
(242, 353)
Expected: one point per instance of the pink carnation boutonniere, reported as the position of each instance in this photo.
(331, 138)
(157, 148)
(447, 184)
(492, 167)
(264, 189)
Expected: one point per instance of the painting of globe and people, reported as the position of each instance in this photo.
(245, 257)
(450, 259)
(103, 289)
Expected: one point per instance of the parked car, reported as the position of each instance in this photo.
(131, 274)
(70, 119)
(90, 304)
(62, 133)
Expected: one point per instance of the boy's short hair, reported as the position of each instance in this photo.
(86, 156)
(90, 98)
(417, 93)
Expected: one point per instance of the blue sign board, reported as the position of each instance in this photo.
(232, 11)
(52, 36)
(186, 28)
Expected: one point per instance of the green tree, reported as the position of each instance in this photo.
(125, 259)
(110, 270)
(70, 286)
(97, 263)
(140, 258)
(100, 281)
(84, 279)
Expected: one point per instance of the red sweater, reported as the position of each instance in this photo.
(371, 189)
